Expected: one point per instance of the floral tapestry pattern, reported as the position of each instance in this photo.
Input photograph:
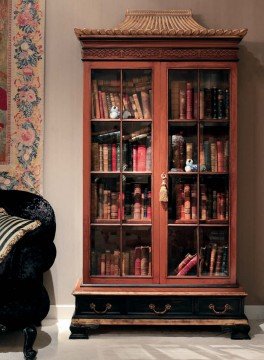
(24, 168)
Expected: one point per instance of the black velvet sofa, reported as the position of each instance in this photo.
(24, 301)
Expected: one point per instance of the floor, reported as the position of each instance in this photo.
(138, 344)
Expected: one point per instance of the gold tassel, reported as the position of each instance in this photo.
(163, 196)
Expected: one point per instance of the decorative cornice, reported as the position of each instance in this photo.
(160, 24)
(159, 53)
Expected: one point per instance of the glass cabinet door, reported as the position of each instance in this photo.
(198, 119)
(121, 239)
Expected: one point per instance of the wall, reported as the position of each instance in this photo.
(63, 127)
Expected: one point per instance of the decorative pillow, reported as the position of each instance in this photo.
(12, 229)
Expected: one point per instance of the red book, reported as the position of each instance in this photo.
(189, 101)
(220, 156)
(141, 157)
(138, 260)
(135, 158)
(188, 266)
(114, 163)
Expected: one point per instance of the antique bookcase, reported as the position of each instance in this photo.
(160, 105)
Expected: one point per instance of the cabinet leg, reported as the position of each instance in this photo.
(240, 332)
(78, 332)
(30, 334)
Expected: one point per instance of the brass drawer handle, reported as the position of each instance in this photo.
(107, 307)
(226, 308)
(153, 307)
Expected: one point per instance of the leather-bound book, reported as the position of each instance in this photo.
(203, 205)
(144, 260)
(184, 262)
(179, 201)
(101, 105)
(192, 263)
(108, 102)
(125, 263)
(125, 157)
(220, 104)
(148, 154)
(138, 261)
(102, 264)
(105, 157)
(95, 158)
(201, 104)
(132, 262)
(101, 157)
(182, 104)
(189, 101)
(220, 156)
(226, 103)
(105, 204)
(96, 99)
(187, 202)
(112, 264)
(214, 102)
(109, 157)
(94, 262)
(114, 157)
(141, 157)
(213, 259)
(135, 157)
(194, 201)
(207, 103)
(145, 104)
(213, 149)
(226, 155)
(114, 205)
(218, 261)
(117, 263)
(189, 150)
(133, 105)
(137, 202)
(207, 155)
(107, 262)
(150, 262)
(224, 265)
(106, 115)
(226, 205)
(175, 108)
(138, 107)
(101, 201)
(178, 152)
(118, 159)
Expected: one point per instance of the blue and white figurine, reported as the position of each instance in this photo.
(114, 112)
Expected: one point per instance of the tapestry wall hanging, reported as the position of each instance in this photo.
(21, 94)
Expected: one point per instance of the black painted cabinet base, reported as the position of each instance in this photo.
(180, 308)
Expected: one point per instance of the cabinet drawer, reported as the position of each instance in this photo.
(100, 306)
(217, 306)
(160, 306)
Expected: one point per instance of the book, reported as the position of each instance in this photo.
(207, 103)
(141, 157)
(189, 150)
(102, 264)
(182, 104)
(95, 158)
(203, 212)
(214, 102)
(148, 154)
(226, 103)
(189, 101)
(138, 261)
(220, 156)
(146, 105)
(220, 104)
(132, 262)
(114, 157)
(104, 102)
(187, 202)
(138, 106)
(135, 157)
(125, 263)
(192, 263)
(184, 262)
(178, 152)
(218, 260)
(213, 150)
(96, 99)
(213, 259)
(144, 260)
(207, 155)
(201, 105)
(194, 202)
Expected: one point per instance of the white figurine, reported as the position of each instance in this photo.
(189, 165)
(114, 112)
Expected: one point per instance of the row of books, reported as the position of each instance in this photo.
(136, 98)
(214, 155)
(182, 100)
(135, 262)
(106, 203)
(214, 103)
(138, 203)
(137, 156)
(213, 261)
(105, 157)
(213, 204)
(186, 201)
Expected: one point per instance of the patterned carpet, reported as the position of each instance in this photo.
(138, 344)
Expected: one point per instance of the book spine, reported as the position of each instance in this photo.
(220, 104)
(189, 151)
(125, 263)
(194, 201)
(224, 266)
(112, 272)
(135, 158)
(213, 157)
(175, 108)
(226, 205)
(101, 106)
(107, 262)
(207, 155)
(114, 205)
(179, 200)
(214, 102)
(105, 157)
(116, 263)
(95, 158)
(218, 261)
(141, 157)
(132, 260)
(189, 101)
(148, 154)
(184, 262)
(137, 202)
(138, 261)
(212, 259)
(226, 155)
(134, 108)
(220, 156)
(94, 202)
(101, 201)
(149, 206)
(178, 158)
(201, 104)
(182, 104)
(102, 265)
(96, 97)
(118, 160)
(106, 115)
(226, 103)
(188, 266)
(207, 103)
(145, 105)
(144, 260)
(203, 202)
(138, 107)
(187, 202)
(109, 157)
(114, 157)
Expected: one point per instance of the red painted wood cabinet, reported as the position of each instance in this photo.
(160, 104)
